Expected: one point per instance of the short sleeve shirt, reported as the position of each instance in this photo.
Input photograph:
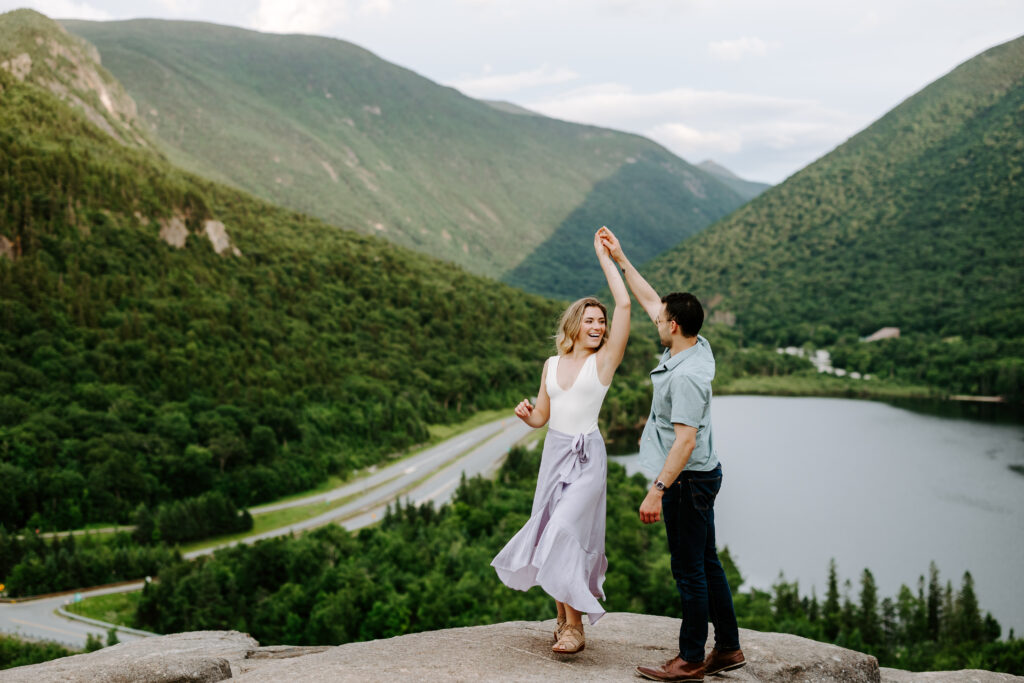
(682, 395)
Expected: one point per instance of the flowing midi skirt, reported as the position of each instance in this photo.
(561, 546)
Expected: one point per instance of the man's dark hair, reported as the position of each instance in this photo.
(685, 309)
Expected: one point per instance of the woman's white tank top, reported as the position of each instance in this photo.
(575, 410)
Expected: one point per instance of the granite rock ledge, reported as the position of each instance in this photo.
(512, 651)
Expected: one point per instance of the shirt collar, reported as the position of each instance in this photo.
(669, 362)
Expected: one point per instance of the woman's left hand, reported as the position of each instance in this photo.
(599, 246)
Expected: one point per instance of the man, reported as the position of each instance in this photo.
(677, 445)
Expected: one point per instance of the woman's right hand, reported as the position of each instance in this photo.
(611, 243)
(524, 410)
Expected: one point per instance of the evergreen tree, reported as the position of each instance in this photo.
(970, 626)
(848, 619)
(813, 608)
(890, 622)
(934, 602)
(947, 616)
(145, 526)
(832, 612)
(869, 625)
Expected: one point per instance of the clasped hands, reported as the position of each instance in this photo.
(606, 243)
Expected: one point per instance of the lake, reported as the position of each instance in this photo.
(871, 485)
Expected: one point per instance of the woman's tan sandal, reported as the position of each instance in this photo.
(570, 640)
(558, 628)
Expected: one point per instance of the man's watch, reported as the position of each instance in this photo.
(660, 485)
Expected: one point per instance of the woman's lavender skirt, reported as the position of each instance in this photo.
(561, 547)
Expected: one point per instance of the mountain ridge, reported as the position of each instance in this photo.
(748, 189)
(939, 172)
(323, 126)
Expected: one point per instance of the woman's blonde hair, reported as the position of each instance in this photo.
(571, 321)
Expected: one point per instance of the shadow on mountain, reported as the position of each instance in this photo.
(649, 209)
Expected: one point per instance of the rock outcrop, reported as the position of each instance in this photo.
(512, 651)
(41, 51)
(199, 656)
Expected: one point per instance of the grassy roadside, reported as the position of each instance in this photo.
(286, 516)
(272, 520)
(821, 384)
(439, 433)
(113, 608)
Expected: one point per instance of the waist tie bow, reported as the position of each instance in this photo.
(575, 459)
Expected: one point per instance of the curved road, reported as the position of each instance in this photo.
(431, 475)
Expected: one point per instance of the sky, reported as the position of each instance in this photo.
(763, 87)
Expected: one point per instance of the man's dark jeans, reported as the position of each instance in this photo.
(688, 507)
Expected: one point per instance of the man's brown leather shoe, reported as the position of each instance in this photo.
(675, 669)
(717, 662)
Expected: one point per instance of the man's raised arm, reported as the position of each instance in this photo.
(642, 290)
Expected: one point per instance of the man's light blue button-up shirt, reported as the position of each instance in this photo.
(682, 395)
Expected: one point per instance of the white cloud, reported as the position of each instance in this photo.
(868, 23)
(756, 135)
(381, 7)
(735, 50)
(700, 144)
(312, 16)
(615, 101)
(65, 9)
(495, 85)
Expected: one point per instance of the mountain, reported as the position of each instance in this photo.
(325, 127)
(915, 222)
(510, 107)
(163, 335)
(69, 67)
(748, 189)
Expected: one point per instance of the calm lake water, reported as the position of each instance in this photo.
(871, 485)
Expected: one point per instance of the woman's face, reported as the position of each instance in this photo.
(592, 328)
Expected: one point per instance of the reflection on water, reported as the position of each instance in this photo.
(999, 413)
(872, 485)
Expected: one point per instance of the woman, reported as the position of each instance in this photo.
(561, 547)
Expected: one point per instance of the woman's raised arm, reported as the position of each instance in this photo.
(610, 355)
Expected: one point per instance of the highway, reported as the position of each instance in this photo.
(38, 619)
(431, 475)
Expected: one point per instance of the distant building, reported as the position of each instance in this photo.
(884, 333)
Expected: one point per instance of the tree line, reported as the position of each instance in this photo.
(32, 565)
(424, 569)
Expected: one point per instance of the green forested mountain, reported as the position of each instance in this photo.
(917, 222)
(748, 189)
(324, 127)
(162, 335)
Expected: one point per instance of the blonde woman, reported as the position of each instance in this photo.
(561, 547)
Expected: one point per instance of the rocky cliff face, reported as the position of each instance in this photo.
(37, 49)
(513, 651)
